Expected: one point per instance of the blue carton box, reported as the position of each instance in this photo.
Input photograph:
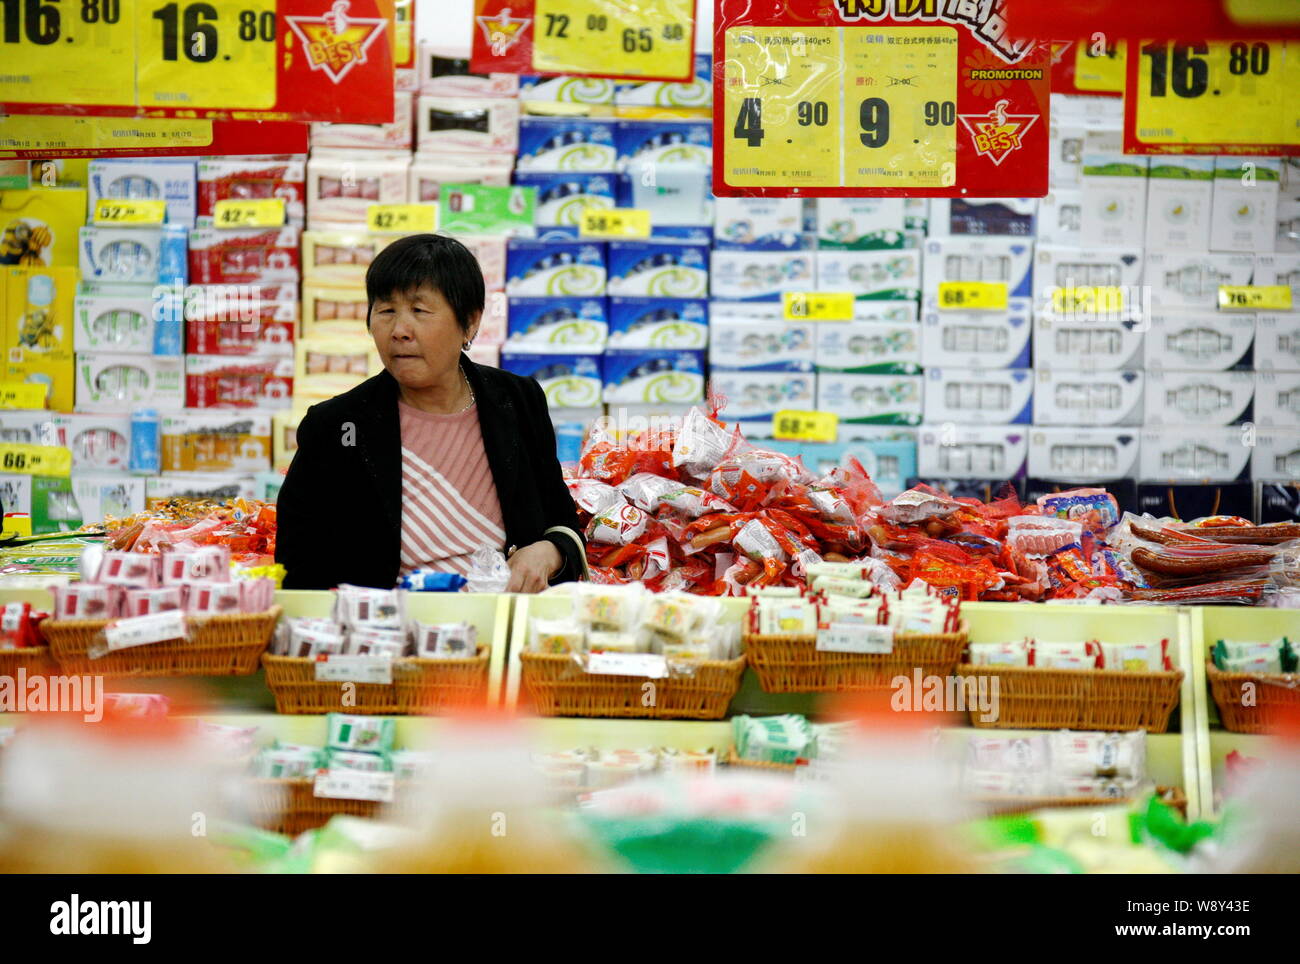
(758, 224)
(635, 376)
(661, 270)
(562, 196)
(566, 144)
(550, 268)
(569, 325)
(658, 322)
(659, 93)
(569, 381)
(664, 142)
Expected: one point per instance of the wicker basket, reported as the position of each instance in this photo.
(420, 686)
(793, 664)
(694, 689)
(1170, 796)
(216, 646)
(1077, 699)
(36, 660)
(1274, 693)
(292, 807)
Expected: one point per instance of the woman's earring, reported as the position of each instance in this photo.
(468, 345)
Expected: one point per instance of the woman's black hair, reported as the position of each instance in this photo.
(432, 259)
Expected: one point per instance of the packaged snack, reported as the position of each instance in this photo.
(835, 586)
(1065, 655)
(1252, 664)
(701, 444)
(556, 636)
(288, 762)
(445, 640)
(1149, 657)
(369, 733)
(378, 762)
(185, 564)
(1000, 654)
(1008, 754)
(412, 764)
(82, 601)
(1088, 754)
(215, 598)
(772, 739)
(130, 569)
(429, 580)
(615, 642)
(606, 608)
(358, 605)
(1006, 783)
(1098, 787)
(594, 497)
(778, 615)
(618, 526)
(1042, 535)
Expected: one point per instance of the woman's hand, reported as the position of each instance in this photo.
(532, 567)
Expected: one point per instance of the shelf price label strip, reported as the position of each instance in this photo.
(1254, 298)
(973, 295)
(614, 223)
(1217, 97)
(642, 39)
(817, 305)
(801, 426)
(35, 459)
(218, 59)
(934, 106)
(263, 213)
(109, 211)
(401, 218)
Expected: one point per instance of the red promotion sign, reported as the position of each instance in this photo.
(877, 98)
(219, 60)
(226, 138)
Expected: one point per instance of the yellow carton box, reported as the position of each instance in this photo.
(58, 374)
(39, 227)
(38, 313)
(328, 366)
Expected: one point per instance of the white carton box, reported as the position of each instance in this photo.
(1180, 189)
(1245, 203)
(1085, 345)
(1060, 214)
(1277, 398)
(1198, 398)
(119, 383)
(29, 428)
(868, 347)
(1065, 152)
(970, 396)
(445, 71)
(340, 190)
(760, 275)
(768, 345)
(1006, 260)
(871, 275)
(1088, 398)
(1082, 454)
(871, 399)
(1277, 342)
(170, 179)
(1276, 455)
(214, 486)
(860, 223)
(96, 441)
(1280, 269)
(430, 171)
(488, 124)
(1194, 454)
(983, 217)
(1114, 189)
(971, 452)
(758, 222)
(760, 395)
(393, 136)
(978, 339)
(114, 318)
(1199, 340)
(1190, 279)
(1060, 267)
(101, 494)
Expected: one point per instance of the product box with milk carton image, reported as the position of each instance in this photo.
(1187, 453)
(977, 339)
(569, 381)
(872, 399)
(1087, 345)
(869, 347)
(971, 396)
(1114, 189)
(860, 223)
(758, 395)
(760, 275)
(658, 269)
(1198, 398)
(758, 223)
(1083, 454)
(971, 451)
(1083, 398)
(1190, 340)
(871, 275)
(1180, 188)
(777, 346)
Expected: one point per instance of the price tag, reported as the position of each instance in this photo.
(1254, 298)
(973, 295)
(1218, 97)
(130, 212)
(614, 223)
(71, 53)
(1088, 299)
(622, 38)
(805, 426)
(354, 785)
(817, 305)
(855, 638)
(22, 395)
(17, 524)
(205, 55)
(1101, 72)
(21, 459)
(264, 213)
(354, 669)
(401, 218)
(142, 630)
(628, 664)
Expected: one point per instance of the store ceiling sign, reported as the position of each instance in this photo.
(218, 60)
(1166, 19)
(918, 98)
(642, 39)
(1217, 97)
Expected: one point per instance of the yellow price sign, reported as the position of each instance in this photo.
(67, 53)
(264, 213)
(649, 38)
(109, 211)
(22, 395)
(800, 426)
(203, 55)
(817, 305)
(973, 295)
(401, 218)
(1099, 67)
(1088, 299)
(17, 524)
(614, 223)
(1254, 298)
(35, 459)
(1214, 95)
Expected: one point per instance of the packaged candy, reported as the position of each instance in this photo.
(1065, 655)
(606, 608)
(256, 595)
(445, 640)
(615, 642)
(999, 654)
(374, 762)
(216, 598)
(781, 615)
(678, 615)
(143, 602)
(369, 733)
(556, 636)
(367, 641)
(1008, 754)
(315, 638)
(82, 601)
(1090, 754)
(1252, 664)
(130, 569)
(1148, 657)
(359, 605)
(184, 564)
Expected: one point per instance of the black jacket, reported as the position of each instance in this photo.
(339, 511)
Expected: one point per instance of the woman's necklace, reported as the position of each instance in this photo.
(471, 393)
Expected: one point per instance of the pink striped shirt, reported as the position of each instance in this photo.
(449, 498)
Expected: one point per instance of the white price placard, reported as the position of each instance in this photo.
(141, 630)
(355, 785)
(628, 664)
(354, 669)
(855, 638)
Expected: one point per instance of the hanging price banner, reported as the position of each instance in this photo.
(1254, 298)
(401, 218)
(1220, 97)
(43, 136)
(973, 295)
(805, 426)
(1089, 67)
(614, 223)
(35, 459)
(218, 60)
(644, 39)
(1164, 19)
(264, 213)
(130, 212)
(876, 98)
(817, 305)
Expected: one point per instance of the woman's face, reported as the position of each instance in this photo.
(417, 336)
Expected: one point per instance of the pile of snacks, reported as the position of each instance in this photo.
(1236, 656)
(373, 622)
(365, 743)
(586, 768)
(1146, 657)
(245, 528)
(628, 619)
(1069, 764)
